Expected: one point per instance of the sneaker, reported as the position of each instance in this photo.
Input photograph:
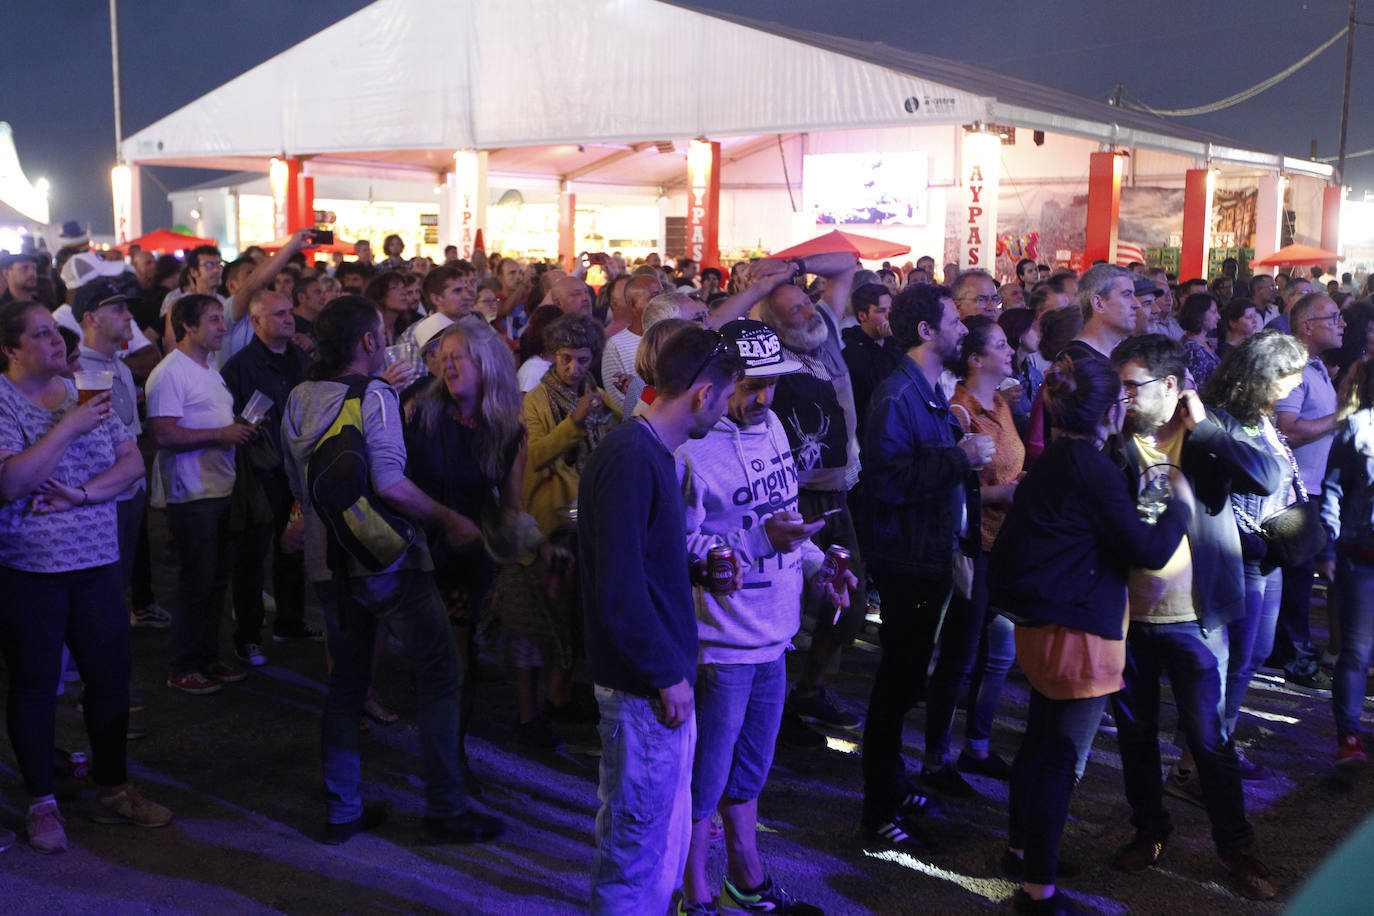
(767, 898)
(947, 781)
(194, 683)
(304, 633)
(687, 907)
(1351, 753)
(1252, 878)
(250, 653)
(1185, 784)
(126, 805)
(821, 710)
(152, 617)
(225, 673)
(44, 825)
(373, 816)
(793, 732)
(902, 835)
(1139, 854)
(1053, 905)
(992, 765)
(536, 734)
(468, 827)
(917, 805)
(1318, 681)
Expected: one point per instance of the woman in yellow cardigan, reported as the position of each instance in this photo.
(566, 416)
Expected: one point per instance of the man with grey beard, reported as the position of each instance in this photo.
(816, 407)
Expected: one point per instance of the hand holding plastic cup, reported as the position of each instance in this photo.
(91, 383)
(255, 411)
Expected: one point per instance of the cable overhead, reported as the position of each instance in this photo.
(1244, 95)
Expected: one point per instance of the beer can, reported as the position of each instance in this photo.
(835, 565)
(78, 765)
(721, 566)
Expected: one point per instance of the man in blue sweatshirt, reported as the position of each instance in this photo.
(740, 487)
(641, 629)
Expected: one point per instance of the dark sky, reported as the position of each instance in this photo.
(55, 72)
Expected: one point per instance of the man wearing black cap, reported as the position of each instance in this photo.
(103, 315)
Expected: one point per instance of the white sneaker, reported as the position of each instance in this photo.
(250, 653)
(153, 617)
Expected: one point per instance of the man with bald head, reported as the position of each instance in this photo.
(572, 296)
(618, 359)
(271, 363)
(817, 410)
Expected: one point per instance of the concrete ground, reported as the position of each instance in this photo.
(241, 771)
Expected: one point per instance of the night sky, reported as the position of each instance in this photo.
(55, 67)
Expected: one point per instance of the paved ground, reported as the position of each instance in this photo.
(240, 770)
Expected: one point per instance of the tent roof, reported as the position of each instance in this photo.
(20, 201)
(410, 81)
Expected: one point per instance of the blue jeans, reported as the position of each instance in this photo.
(407, 604)
(1251, 638)
(1294, 640)
(1194, 660)
(965, 621)
(1356, 608)
(1054, 751)
(644, 824)
(85, 609)
(995, 655)
(739, 708)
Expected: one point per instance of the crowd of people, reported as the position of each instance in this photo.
(656, 478)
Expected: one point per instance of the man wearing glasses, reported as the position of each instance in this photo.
(1307, 417)
(1176, 447)
(1293, 290)
(975, 293)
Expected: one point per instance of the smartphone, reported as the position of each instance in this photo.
(322, 236)
(816, 518)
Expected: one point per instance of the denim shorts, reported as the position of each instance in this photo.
(738, 711)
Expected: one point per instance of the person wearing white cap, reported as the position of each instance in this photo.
(739, 484)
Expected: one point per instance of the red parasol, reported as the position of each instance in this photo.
(342, 246)
(1298, 256)
(165, 240)
(863, 246)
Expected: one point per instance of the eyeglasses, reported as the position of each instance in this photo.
(721, 348)
(1333, 317)
(981, 300)
(1133, 388)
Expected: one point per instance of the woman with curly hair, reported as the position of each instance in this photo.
(1199, 317)
(1255, 374)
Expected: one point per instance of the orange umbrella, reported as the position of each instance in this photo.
(165, 240)
(342, 246)
(862, 246)
(1298, 256)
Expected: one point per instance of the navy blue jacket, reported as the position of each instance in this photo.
(632, 554)
(1070, 539)
(1219, 458)
(916, 479)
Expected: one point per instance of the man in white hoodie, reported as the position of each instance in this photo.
(740, 488)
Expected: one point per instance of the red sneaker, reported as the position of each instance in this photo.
(225, 673)
(1351, 752)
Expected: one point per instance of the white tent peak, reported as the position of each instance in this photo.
(17, 193)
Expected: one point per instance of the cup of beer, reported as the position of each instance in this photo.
(92, 383)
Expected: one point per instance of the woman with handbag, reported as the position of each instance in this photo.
(1255, 374)
(1348, 511)
(971, 635)
(1059, 569)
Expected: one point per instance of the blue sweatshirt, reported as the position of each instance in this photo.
(636, 592)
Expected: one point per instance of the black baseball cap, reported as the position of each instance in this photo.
(95, 294)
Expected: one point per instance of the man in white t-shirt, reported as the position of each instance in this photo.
(618, 361)
(191, 418)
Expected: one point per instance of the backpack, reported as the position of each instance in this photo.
(360, 527)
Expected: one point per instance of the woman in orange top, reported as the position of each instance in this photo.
(969, 633)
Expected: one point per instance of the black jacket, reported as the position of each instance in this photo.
(1219, 459)
(1069, 541)
(869, 361)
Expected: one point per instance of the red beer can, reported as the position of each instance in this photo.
(835, 565)
(721, 567)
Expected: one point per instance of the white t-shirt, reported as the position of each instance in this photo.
(619, 356)
(197, 398)
(532, 373)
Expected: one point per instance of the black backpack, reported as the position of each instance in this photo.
(361, 528)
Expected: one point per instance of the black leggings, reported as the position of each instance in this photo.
(85, 609)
